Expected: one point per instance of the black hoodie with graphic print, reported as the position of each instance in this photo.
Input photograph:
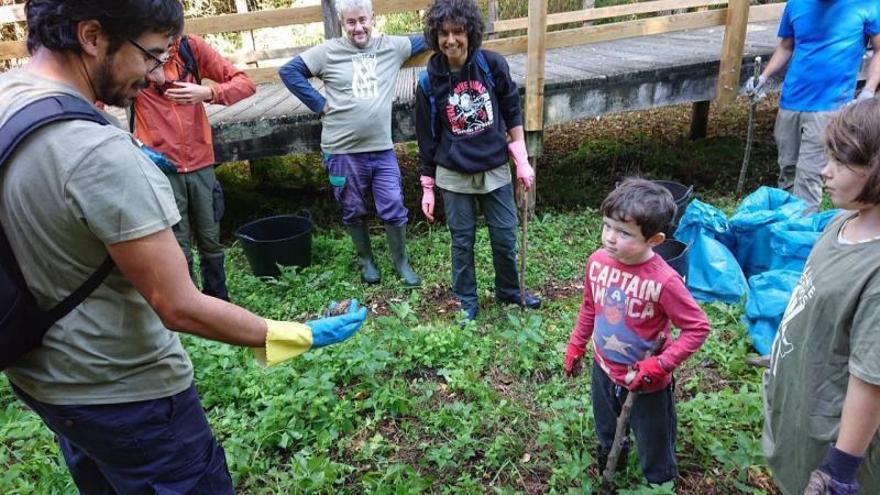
(473, 116)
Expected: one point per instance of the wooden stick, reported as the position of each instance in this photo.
(623, 424)
(524, 241)
(750, 131)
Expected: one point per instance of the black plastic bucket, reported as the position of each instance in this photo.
(675, 253)
(682, 196)
(280, 240)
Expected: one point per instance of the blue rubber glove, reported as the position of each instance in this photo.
(836, 474)
(335, 329)
(159, 159)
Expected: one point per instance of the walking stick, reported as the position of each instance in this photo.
(753, 102)
(524, 241)
(623, 424)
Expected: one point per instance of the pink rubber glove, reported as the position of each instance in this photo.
(427, 197)
(524, 172)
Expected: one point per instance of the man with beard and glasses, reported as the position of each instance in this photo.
(170, 118)
(359, 71)
(111, 379)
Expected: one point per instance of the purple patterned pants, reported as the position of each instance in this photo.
(354, 175)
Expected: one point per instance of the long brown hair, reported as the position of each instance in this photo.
(852, 139)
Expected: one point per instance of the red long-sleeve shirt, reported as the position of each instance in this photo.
(625, 308)
(182, 131)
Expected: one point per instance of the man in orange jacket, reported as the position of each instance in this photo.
(171, 119)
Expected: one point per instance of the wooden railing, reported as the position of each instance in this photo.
(229, 23)
(250, 21)
(598, 13)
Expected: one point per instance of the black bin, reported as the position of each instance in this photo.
(682, 196)
(675, 253)
(279, 240)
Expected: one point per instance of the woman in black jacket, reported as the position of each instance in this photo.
(468, 121)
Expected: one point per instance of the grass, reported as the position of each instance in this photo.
(414, 403)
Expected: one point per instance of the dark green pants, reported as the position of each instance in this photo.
(200, 202)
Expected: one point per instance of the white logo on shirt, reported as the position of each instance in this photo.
(364, 83)
(801, 295)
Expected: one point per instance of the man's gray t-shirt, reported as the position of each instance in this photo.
(359, 85)
(69, 190)
(830, 329)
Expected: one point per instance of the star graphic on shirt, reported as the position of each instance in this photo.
(613, 344)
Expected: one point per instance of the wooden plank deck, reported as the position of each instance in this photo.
(580, 81)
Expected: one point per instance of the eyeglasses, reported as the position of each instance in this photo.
(158, 61)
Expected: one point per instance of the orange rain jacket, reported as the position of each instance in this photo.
(182, 132)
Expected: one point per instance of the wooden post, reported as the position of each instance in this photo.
(588, 4)
(493, 16)
(699, 119)
(732, 50)
(534, 122)
(332, 29)
(242, 7)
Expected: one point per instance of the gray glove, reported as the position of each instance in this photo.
(865, 94)
(754, 86)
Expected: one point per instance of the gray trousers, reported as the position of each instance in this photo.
(200, 202)
(461, 216)
(800, 142)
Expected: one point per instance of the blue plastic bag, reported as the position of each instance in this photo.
(751, 226)
(713, 272)
(791, 241)
(769, 293)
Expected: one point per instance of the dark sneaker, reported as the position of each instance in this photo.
(531, 302)
(470, 314)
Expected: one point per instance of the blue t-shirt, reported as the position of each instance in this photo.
(830, 37)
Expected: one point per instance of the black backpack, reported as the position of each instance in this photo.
(22, 324)
(189, 61)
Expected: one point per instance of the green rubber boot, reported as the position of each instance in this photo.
(397, 245)
(360, 237)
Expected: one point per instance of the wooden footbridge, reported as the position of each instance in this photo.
(568, 65)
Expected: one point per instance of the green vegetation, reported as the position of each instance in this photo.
(414, 403)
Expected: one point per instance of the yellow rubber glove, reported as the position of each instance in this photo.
(284, 340)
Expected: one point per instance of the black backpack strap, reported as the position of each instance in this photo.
(82, 292)
(424, 82)
(16, 129)
(483, 63)
(189, 60)
(39, 113)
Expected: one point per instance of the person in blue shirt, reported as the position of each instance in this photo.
(359, 71)
(823, 43)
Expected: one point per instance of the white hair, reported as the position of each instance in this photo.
(342, 5)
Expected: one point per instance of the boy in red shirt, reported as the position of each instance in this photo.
(631, 296)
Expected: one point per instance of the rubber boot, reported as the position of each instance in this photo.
(360, 237)
(213, 277)
(397, 245)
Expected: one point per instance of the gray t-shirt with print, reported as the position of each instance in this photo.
(359, 85)
(830, 330)
(69, 190)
